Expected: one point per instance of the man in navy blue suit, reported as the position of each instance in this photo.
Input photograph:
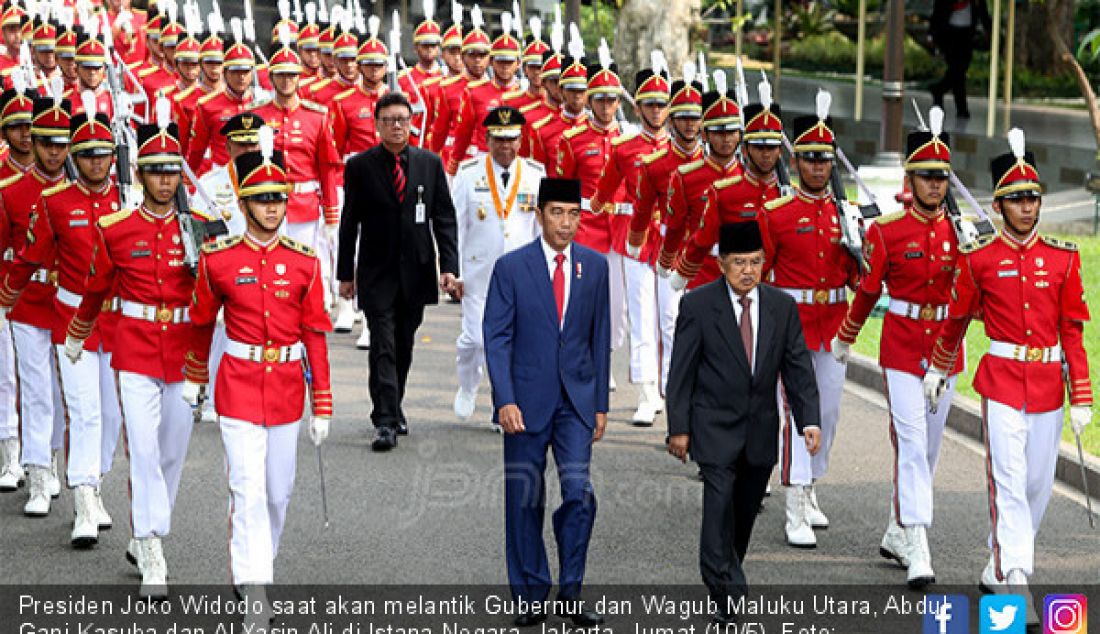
(548, 349)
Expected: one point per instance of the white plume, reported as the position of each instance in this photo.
(704, 81)
(517, 17)
(395, 50)
(192, 20)
(395, 26)
(173, 11)
(656, 61)
(311, 13)
(535, 25)
(456, 12)
(373, 24)
(720, 82)
(336, 15)
(57, 89)
(92, 26)
(1016, 142)
(360, 21)
(56, 7)
(284, 9)
(298, 11)
(322, 13)
(823, 101)
(18, 80)
(87, 99)
(576, 44)
(429, 9)
(557, 13)
(557, 36)
(689, 72)
(248, 26)
(236, 28)
(347, 19)
(765, 90)
(476, 18)
(67, 16)
(604, 53)
(44, 9)
(284, 34)
(25, 55)
(267, 142)
(935, 120)
(703, 74)
(506, 22)
(164, 112)
(215, 23)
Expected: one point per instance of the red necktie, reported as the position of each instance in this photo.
(746, 328)
(559, 285)
(398, 179)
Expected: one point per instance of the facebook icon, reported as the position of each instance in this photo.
(946, 614)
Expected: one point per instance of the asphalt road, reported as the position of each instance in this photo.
(432, 510)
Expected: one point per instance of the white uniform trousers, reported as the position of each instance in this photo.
(797, 466)
(617, 288)
(158, 430)
(90, 399)
(43, 420)
(217, 350)
(9, 415)
(668, 308)
(470, 360)
(261, 462)
(311, 235)
(916, 435)
(1022, 452)
(641, 308)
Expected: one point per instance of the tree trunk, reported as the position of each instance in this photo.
(1035, 49)
(1064, 57)
(645, 25)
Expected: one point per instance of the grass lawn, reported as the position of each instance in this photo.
(977, 343)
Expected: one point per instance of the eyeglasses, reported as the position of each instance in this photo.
(746, 263)
(395, 121)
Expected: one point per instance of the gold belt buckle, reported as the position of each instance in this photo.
(927, 312)
(821, 296)
(164, 315)
(1034, 354)
(271, 355)
(107, 303)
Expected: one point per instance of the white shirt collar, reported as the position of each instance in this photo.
(549, 253)
(753, 295)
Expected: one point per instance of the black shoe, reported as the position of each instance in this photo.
(579, 615)
(724, 618)
(402, 428)
(527, 619)
(385, 438)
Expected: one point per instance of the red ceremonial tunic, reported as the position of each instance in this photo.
(354, 129)
(184, 104)
(546, 135)
(582, 153)
(687, 195)
(615, 191)
(445, 108)
(211, 113)
(103, 101)
(20, 199)
(647, 225)
(323, 91)
(480, 97)
(412, 82)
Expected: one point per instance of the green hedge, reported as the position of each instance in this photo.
(833, 52)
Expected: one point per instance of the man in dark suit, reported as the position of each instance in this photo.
(953, 25)
(547, 333)
(734, 340)
(396, 200)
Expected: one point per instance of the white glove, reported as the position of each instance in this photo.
(677, 282)
(633, 251)
(935, 382)
(840, 350)
(1079, 418)
(663, 272)
(318, 429)
(74, 348)
(192, 392)
(331, 232)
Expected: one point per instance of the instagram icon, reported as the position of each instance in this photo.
(1065, 614)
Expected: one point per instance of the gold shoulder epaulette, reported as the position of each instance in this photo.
(133, 65)
(181, 95)
(726, 182)
(480, 82)
(512, 94)
(470, 161)
(778, 202)
(532, 163)
(10, 180)
(258, 104)
(687, 168)
(145, 72)
(973, 246)
(622, 138)
(60, 187)
(221, 245)
(541, 122)
(210, 95)
(294, 245)
(1059, 244)
(648, 159)
(888, 218)
(430, 81)
(314, 86)
(116, 217)
(572, 132)
(314, 106)
(340, 96)
(403, 74)
(529, 107)
(450, 80)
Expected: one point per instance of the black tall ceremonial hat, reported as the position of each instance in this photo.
(260, 178)
(159, 150)
(813, 137)
(763, 126)
(559, 190)
(926, 153)
(739, 237)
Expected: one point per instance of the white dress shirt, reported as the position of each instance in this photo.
(550, 254)
(498, 170)
(754, 316)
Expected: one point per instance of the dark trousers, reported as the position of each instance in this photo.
(731, 500)
(957, 45)
(525, 505)
(392, 334)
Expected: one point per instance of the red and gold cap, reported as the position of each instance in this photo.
(687, 99)
(16, 108)
(574, 74)
(239, 57)
(90, 51)
(12, 16)
(720, 112)
(505, 48)
(928, 152)
(66, 44)
(159, 149)
(372, 51)
(427, 32)
(284, 60)
(326, 39)
(1014, 173)
(452, 37)
(50, 119)
(650, 87)
(551, 65)
(813, 137)
(309, 38)
(291, 24)
(170, 34)
(44, 37)
(476, 40)
(532, 53)
(346, 45)
(212, 49)
(91, 136)
(153, 25)
(188, 50)
(260, 177)
(763, 125)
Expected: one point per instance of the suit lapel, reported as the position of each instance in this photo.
(767, 325)
(383, 173)
(575, 286)
(727, 325)
(540, 277)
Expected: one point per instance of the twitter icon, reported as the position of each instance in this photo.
(1002, 614)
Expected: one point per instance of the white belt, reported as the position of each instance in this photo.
(42, 276)
(306, 187)
(9, 254)
(623, 209)
(67, 297)
(267, 354)
(817, 296)
(586, 204)
(163, 314)
(1020, 352)
(924, 312)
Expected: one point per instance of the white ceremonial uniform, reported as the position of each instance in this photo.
(218, 184)
(486, 232)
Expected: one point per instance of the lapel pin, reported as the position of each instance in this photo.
(579, 271)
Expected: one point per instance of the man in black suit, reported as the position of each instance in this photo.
(953, 25)
(734, 340)
(396, 200)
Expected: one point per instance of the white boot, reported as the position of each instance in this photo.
(12, 474)
(989, 583)
(813, 511)
(102, 517)
(345, 316)
(611, 382)
(465, 403)
(38, 495)
(1016, 581)
(53, 483)
(359, 317)
(363, 342)
(259, 615)
(85, 530)
(648, 404)
(920, 572)
(799, 532)
(895, 545)
(154, 570)
(132, 551)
